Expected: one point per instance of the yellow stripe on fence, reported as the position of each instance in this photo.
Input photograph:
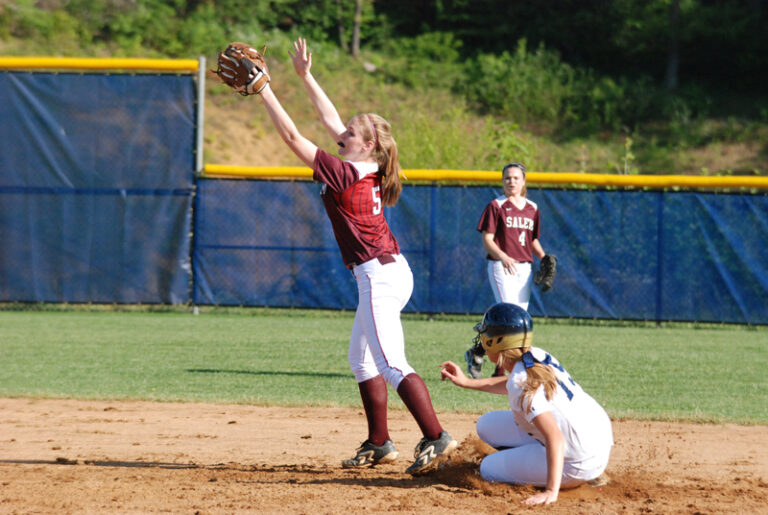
(97, 63)
(295, 172)
(651, 181)
(593, 179)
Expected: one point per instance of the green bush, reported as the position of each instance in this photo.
(623, 103)
(423, 62)
(202, 34)
(152, 24)
(526, 87)
(434, 47)
(537, 89)
(53, 30)
(597, 103)
(508, 143)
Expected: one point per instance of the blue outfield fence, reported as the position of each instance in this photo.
(96, 205)
(622, 254)
(96, 185)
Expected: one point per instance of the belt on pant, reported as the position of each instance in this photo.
(384, 259)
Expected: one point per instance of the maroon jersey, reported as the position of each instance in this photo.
(513, 229)
(352, 197)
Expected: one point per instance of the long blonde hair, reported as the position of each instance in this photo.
(538, 375)
(377, 129)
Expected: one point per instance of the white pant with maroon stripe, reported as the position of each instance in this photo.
(513, 288)
(377, 344)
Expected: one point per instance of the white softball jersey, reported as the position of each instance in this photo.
(585, 426)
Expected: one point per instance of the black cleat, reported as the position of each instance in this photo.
(369, 454)
(427, 453)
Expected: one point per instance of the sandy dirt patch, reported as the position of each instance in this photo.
(69, 456)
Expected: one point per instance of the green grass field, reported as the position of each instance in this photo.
(292, 358)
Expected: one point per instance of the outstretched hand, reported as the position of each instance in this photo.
(454, 373)
(302, 60)
(545, 497)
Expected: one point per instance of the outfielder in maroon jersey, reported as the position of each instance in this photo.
(510, 228)
(355, 191)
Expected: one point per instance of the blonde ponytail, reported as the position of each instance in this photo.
(378, 130)
(538, 375)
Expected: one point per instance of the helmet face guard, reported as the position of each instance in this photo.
(504, 326)
(478, 349)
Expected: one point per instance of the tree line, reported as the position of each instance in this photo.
(568, 65)
(672, 41)
(715, 41)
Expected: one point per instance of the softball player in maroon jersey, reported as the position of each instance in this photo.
(355, 191)
(510, 228)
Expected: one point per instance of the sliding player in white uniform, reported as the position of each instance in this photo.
(554, 435)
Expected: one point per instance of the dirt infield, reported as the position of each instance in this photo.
(68, 456)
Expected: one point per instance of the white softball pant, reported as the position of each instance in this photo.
(377, 344)
(513, 288)
(526, 462)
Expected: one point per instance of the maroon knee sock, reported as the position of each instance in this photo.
(374, 395)
(415, 395)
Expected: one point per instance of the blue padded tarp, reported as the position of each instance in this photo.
(621, 254)
(96, 187)
(96, 182)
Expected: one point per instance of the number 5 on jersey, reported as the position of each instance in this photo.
(376, 200)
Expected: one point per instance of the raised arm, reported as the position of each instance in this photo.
(302, 63)
(300, 145)
(454, 374)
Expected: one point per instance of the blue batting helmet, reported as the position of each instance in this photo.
(505, 326)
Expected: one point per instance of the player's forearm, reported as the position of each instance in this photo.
(280, 118)
(285, 127)
(555, 457)
(329, 116)
(492, 249)
(497, 385)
